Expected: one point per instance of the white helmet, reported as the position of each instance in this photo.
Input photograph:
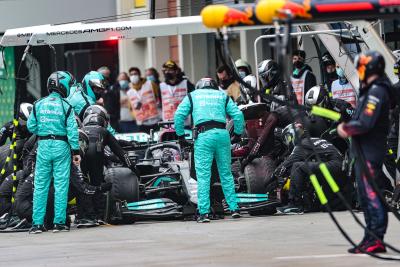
(251, 80)
(25, 110)
(240, 63)
(315, 96)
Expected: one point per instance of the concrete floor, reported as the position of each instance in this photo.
(303, 240)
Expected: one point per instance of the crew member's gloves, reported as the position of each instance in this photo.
(183, 142)
(104, 187)
(236, 138)
(76, 159)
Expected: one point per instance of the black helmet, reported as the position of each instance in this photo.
(370, 63)
(328, 60)
(60, 82)
(83, 142)
(269, 73)
(207, 83)
(95, 119)
(317, 95)
(289, 133)
(97, 109)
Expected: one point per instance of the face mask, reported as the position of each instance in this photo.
(224, 84)
(242, 74)
(169, 76)
(298, 64)
(340, 72)
(151, 78)
(124, 84)
(134, 79)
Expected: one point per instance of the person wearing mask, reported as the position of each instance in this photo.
(144, 106)
(342, 88)
(152, 75)
(368, 129)
(78, 188)
(302, 78)
(330, 70)
(227, 83)
(175, 87)
(53, 121)
(300, 161)
(243, 68)
(95, 126)
(127, 123)
(89, 92)
(111, 97)
(209, 108)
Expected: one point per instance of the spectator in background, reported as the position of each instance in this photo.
(126, 123)
(342, 88)
(143, 99)
(330, 70)
(111, 98)
(243, 68)
(227, 83)
(302, 78)
(175, 87)
(153, 76)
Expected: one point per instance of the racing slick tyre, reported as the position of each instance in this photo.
(125, 184)
(256, 174)
(125, 187)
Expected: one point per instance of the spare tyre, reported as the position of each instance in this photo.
(125, 184)
(256, 174)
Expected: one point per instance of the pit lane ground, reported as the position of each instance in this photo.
(304, 240)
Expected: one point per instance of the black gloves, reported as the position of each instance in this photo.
(183, 142)
(236, 138)
(104, 187)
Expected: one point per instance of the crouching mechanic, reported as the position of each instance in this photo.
(79, 188)
(369, 128)
(209, 108)
(300, 162)
(95, 126)
(53, 121)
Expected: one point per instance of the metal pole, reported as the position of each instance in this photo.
(270, 36)
(152, 9)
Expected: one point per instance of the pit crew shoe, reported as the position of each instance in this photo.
(101, 222)
(375, 246)
(290, 210)
(60, 228)
(86, 223)
(203, 218)
(236, 214)
(37, 229)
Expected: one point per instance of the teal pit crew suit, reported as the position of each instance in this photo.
(54, 122)
(209, 108)
(86, 94)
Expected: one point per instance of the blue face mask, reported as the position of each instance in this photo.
(242, 74)
(151, 78)
(124, 84)
(340, 72)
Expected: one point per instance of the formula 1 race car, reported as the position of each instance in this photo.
(167, 188)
